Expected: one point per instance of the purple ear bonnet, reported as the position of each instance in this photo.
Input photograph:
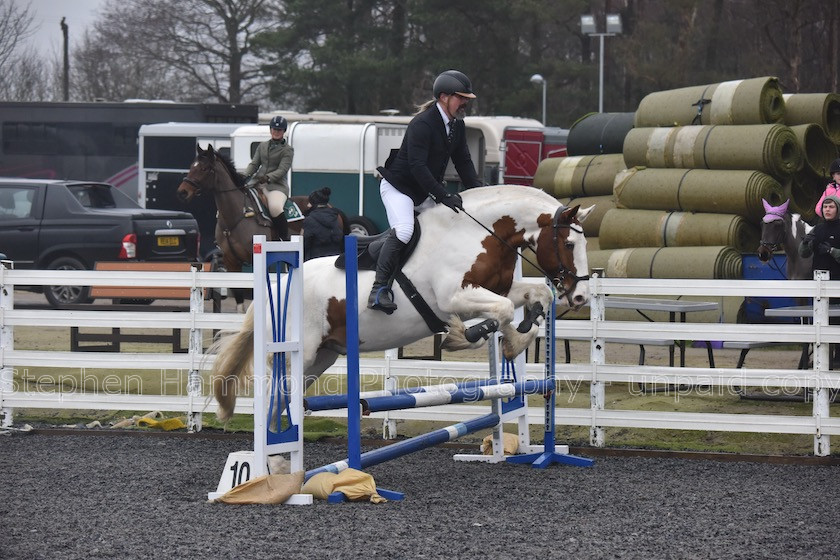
(773, 213)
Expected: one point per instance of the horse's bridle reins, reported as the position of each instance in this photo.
(556, 226)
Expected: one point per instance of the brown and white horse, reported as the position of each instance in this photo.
(463, 266)
(212, 172)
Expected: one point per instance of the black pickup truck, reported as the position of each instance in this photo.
(72, 225)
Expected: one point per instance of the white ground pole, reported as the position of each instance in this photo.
(266, 440)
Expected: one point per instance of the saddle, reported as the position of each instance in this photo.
(259, 205)
(368, 249)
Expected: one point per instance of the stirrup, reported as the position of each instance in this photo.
(385, 307)
(248, 212)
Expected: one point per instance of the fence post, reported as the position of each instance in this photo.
(822, 445)
(389, 425)
(194, 389)
(597, 358)
(7, 341)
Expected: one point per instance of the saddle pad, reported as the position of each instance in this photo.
(292, 211)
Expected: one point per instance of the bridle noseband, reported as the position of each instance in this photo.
(563, 272)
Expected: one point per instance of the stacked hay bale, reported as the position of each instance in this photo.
(685, 198)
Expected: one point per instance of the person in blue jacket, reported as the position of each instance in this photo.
(322, 231)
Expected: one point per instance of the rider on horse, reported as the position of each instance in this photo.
(412, 178)
(272, 161)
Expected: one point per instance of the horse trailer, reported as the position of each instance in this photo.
(166, 151)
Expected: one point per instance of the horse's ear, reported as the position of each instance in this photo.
(198, 149)
(583, 214)
(784, 207)
(210, 148)
(569, 214)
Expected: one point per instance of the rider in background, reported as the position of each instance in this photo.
(824, 240)
(831, 188)
(322, 231)
(412, 178)
(272, 161)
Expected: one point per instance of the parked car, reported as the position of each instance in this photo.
(72, 225)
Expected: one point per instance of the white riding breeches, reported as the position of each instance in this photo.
(400, 210)
(276, 202)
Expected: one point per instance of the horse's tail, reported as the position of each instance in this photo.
(234, 361)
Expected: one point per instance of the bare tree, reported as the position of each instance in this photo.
(15, 26)
(205, 44)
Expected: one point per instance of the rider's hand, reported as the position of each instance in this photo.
(263, 179)
(808, 240)
(453, 202)
(835, 253)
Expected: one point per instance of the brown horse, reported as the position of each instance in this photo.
(236, 224)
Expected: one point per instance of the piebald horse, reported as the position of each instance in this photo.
(782, 230)
(462, 265)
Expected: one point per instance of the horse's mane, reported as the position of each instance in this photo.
(238, 179)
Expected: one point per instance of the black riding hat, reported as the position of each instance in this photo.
(278, 123)
(453, 82)
(835, 167)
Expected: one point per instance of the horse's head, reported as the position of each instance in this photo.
(201, 176)
(773, 229)
(561, 253)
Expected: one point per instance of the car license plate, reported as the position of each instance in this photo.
(168, 241)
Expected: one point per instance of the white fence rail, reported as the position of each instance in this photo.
(191, 396)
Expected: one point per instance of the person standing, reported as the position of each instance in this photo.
(833, 187)
(322, 232)
(823, 242)
(412, 178)
(272, 162)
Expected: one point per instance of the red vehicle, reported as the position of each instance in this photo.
(525, 148)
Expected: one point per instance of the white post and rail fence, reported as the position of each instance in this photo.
(184, 386)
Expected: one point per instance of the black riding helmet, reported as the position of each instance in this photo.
(278, 123)
(835, 167)
(453, 82)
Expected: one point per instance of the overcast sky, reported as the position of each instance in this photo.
(47, 14)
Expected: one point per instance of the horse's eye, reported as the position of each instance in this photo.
(569, 245)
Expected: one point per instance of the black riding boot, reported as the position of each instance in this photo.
(381, 297)
(281, 227)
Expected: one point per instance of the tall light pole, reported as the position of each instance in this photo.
(538, 79)
(587, 26)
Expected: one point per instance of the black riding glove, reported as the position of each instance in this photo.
(453, 202)
(263, 179)
(835, 253)
(823, 248)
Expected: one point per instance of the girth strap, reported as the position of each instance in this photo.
(432, 321)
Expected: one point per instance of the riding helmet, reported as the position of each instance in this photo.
(278, 123)
(453, 82)
(835, 167)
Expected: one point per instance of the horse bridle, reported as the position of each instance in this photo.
(562, 272)
(199, 190)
